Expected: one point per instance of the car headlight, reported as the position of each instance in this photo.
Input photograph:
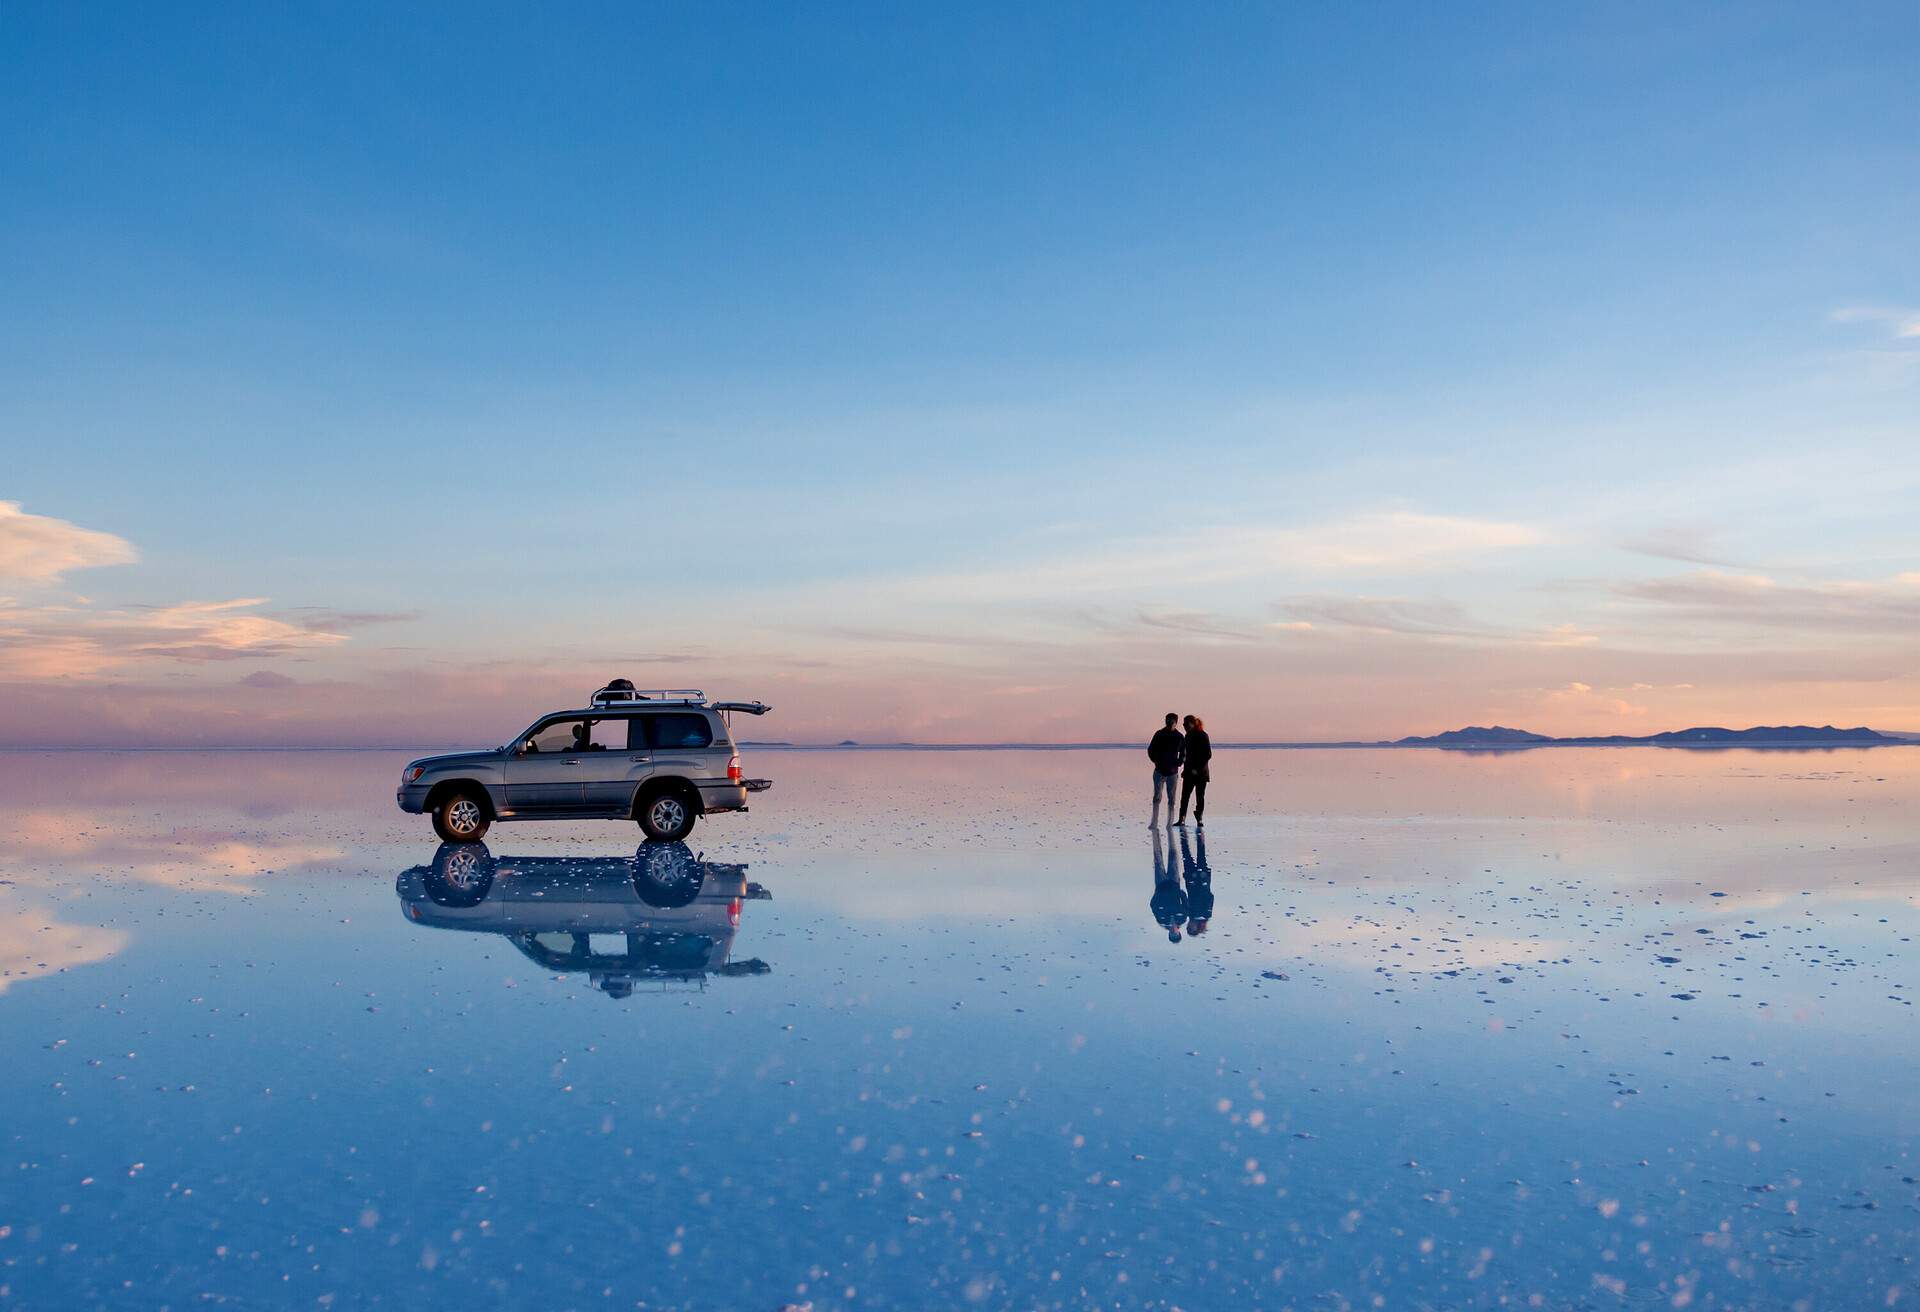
(412, 773)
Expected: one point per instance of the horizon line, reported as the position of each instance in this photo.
(1893, 739)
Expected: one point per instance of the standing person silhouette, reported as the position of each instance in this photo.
(1169, 904)
(1167, 750)
(1193, 771)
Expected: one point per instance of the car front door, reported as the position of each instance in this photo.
(617, 762)
(544, 774)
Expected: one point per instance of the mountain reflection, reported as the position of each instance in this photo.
(661, 915)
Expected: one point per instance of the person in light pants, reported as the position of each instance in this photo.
(1167, 750)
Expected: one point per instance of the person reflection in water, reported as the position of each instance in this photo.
(1169, 902)
(1198, 877)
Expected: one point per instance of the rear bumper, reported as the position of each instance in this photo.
(726, 795)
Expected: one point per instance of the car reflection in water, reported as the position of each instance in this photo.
(662, 915)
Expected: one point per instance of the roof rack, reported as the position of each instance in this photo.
(614, 696)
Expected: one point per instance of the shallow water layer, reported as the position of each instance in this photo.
(1409, 1029)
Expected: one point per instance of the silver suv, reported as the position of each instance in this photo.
(661, 756)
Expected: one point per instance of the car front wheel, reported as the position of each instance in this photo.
(461, 818)
(667, 816)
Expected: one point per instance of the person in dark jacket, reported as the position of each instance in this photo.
(1167, 750)
(1193, 771)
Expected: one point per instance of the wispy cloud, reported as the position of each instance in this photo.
(77, 641)
(320, 618)
(72, 638)
(1690, 545)
(39, 548)
(1583, 699)
(1390, 542)
(1895, 361)
(1901, 321)
(220, 630)
(1198, 624)
(1411, 617)
(1720, 599)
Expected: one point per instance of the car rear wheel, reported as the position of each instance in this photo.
(461, 818)
(667, 876)
(667, 816)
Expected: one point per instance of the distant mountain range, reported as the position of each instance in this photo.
(1782, 735)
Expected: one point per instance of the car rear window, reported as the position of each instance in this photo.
(677, 730)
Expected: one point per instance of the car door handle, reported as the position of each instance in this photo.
(570, 762)
(637, 760)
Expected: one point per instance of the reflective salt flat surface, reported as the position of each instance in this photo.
(1570, 1028)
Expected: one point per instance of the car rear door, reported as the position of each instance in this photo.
(684, 746)
(618, 765)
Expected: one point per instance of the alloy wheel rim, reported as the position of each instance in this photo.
(462, 816)
(667, 814)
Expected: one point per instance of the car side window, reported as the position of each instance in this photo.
(552, 738)
(609, 735)
(679, 730)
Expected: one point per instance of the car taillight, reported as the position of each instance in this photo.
(733, 913)
(733, 769)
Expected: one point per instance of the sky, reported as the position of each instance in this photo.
(379, 375)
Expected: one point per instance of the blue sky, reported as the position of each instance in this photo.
(969, 372)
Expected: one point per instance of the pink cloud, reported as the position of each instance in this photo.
(39, 549)
(82, 642)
